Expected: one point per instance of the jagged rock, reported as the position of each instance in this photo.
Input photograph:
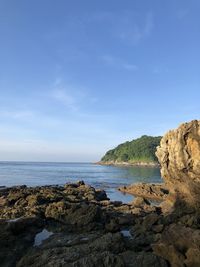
(179, 245)
(140, 202)
(179, 157)
(101, 251)
(16, 237)
(74, 209)
(149, 191)
(142, 259)
(150, 220)
(77, 215)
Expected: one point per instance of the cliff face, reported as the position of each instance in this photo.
(179, 157)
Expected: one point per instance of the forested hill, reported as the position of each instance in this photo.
(141, 150)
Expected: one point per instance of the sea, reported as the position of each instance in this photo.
(108, 178)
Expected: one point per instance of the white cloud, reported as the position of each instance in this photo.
(118, 63)
(66, 98)
(131, 31)
(73, 97)
(128, 26)
(130, 67)
(63, 94)
(16, 114)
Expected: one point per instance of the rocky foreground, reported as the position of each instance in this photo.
(76, 225)
(81, 226)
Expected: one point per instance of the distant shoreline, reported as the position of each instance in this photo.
(128, 164)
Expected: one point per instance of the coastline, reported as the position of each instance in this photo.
(128, 164)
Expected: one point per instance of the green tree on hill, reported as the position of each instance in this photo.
(138, 150)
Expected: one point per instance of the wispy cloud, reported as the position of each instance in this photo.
(16, 114)
(73, 97)
(65, 98)
(160, 70)
(130, 67)
(118, 63)
(149, 25)
(128, 26)
(129, 30)
(65, 94)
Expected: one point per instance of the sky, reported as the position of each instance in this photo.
(79, 77)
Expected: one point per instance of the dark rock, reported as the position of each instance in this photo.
(149, 220)
(103, 251)
(143, 259)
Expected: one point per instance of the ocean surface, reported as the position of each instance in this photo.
(105, 177)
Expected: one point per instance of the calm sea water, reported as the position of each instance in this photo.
(105, 177)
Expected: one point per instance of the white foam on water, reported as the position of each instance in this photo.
(40, 237)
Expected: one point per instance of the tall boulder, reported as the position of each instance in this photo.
(179, 157)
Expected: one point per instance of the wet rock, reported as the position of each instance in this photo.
(100, 195)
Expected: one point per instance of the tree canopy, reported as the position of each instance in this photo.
(139, 150)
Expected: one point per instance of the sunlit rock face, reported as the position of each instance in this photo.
(179, 157)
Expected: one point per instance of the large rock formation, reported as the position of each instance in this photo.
(179, 157)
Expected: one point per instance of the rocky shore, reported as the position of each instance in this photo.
(81, 226)
(157, 191)
(77, 225)
(128, 164)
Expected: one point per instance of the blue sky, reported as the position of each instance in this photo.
(79, 77)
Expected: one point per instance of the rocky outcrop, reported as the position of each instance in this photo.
(179, 157)
(149, 191)
(75, 225)
(180, 245)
